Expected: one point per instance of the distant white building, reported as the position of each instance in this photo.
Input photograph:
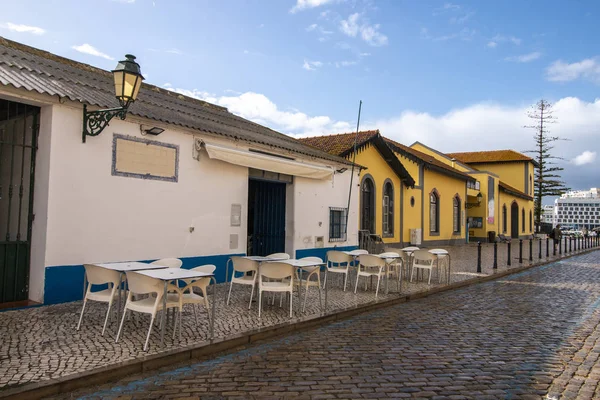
(577, 209)
(549, 214)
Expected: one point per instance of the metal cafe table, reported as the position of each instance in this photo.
(123, 267)
(173, 274)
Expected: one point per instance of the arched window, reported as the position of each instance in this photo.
(530, 222)
(523, 220)
(434, 212)
(388, 209)
(504, 219)
(456, 214)
(367, 217)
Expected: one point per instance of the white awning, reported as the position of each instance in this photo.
(267, 163)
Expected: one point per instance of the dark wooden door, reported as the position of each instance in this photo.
(514, 221)
(367, 205)
(266, 217)
(18, 141)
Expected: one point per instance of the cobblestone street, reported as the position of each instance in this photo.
(531, 335)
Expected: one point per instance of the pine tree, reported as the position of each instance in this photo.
(547, 176)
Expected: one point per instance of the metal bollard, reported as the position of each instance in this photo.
(570, 245)
(520, 251)
(479, 257)
(566, 248)
(495, 255)
(530, 249)
(547, 248)
(508, 262)
(560, 246)
(540, 249)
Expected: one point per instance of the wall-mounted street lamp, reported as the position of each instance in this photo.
(471, 205)
(128, 80)
(154, 131)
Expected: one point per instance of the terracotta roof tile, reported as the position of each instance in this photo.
(514, 191)
(474, 157)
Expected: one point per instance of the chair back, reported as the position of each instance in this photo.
(371, 261)
(98, 275)
(275, 270)
(338, 257)
(422, 257)
(169, 262)
(312, 259)
(209, 268)
(281, 256)
(243, 264)
(142, 284)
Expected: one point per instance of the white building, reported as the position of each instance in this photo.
(578, 209)
(549, 214)
(210, 186)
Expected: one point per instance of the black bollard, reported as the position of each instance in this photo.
(566, 248)
(495, 255)
(559, 246)
(570, 245)
(479, 257)
(520, 251)
(530, 249)
(508, 262)
(540, 249)
(547, 248)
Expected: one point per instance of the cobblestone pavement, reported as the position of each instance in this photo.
(531, 335)
(41, 343)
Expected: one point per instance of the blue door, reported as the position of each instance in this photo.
(266, 217)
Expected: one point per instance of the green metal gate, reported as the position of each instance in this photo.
(18, 144)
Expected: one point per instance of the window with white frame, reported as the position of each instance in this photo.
(456, 214)
(337, 224)
(388, 210)
(434, 212)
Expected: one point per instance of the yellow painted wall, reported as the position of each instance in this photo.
(507, 199)
(485, 210)
(411, 214)
(379, 169)
(447, 187)
(509, 173)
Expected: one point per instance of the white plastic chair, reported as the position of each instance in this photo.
(279, 278)
(279, 256)
(188, 296)
(422, 259)
(142, 284)
(394, 264)
(338, 262)
(244, 266)
(442, 260)
(369, 265)
(168, 262)
(100, 276)
(312, 271)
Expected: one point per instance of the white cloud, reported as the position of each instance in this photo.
(463, 18)
(22, 28)
(174, 51)
(91, 50)
(306, 4)
(560, 71)
(504, 39)
(355, 24)
(491, 44)
(261, 26)
(339, 64)
(312, 27)
(319, 29)
(524, 58)
(311, 65)
(260, 109)
(587, 157)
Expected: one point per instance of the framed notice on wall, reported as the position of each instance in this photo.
(475, 222)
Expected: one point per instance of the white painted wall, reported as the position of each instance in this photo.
(94, 216)
(312, 200)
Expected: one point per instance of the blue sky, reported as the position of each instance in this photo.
(458, 76)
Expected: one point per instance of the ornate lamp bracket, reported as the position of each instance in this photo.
(94, 122)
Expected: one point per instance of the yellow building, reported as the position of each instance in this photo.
(407, 196)
(504, 184)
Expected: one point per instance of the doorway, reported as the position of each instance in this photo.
(514, 220)
(18, 142)
(367, 205)
(266, 217)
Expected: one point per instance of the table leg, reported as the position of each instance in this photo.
(214, 301)
(119, 299)
(325, 311)
(387, 277)
(164, 310)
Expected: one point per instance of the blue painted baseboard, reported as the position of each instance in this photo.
(322, 252)
(64, 283)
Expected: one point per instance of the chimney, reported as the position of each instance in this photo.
(453, 160)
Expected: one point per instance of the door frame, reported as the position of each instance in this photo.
(514, 220)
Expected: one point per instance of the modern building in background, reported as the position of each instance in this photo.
(549, 215)
(578, 209)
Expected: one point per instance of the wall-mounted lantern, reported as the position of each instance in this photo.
(471, 205)
(128, 80)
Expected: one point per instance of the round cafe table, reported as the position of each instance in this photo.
(442, 253)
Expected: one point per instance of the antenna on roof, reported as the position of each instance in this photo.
(352, 171)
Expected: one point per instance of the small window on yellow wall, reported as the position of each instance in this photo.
(145, 159)
(456, 214)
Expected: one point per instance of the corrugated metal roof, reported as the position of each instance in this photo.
(25, 67)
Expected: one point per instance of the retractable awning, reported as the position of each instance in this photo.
(268, 163)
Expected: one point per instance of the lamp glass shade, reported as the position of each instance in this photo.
(128, 80)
